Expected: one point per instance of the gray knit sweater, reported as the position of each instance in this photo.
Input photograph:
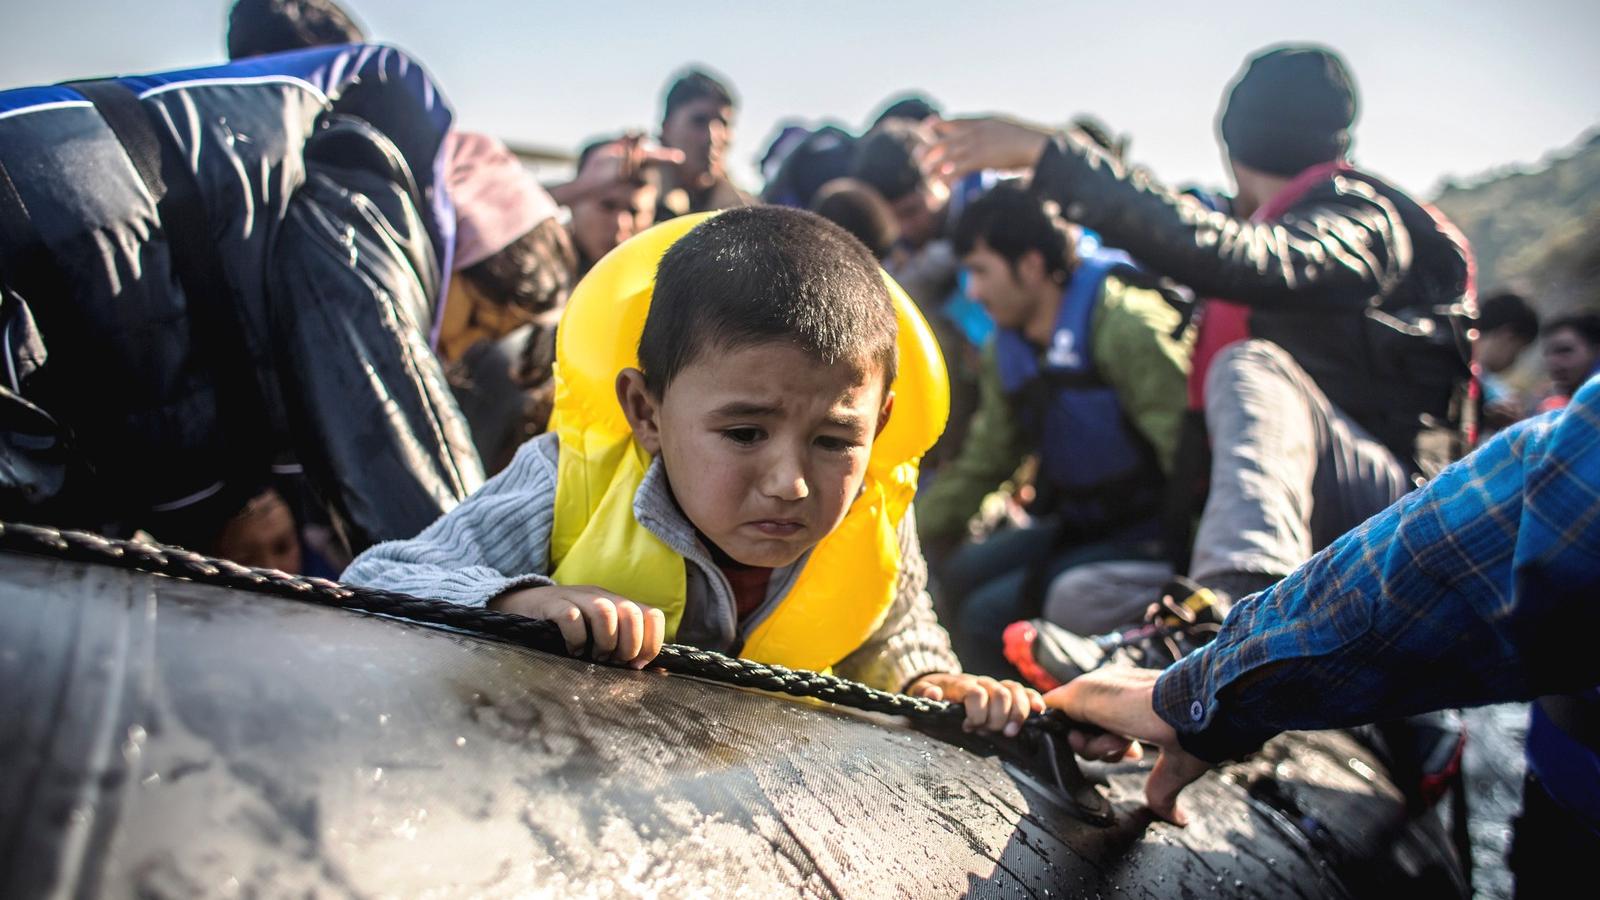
(499, 540)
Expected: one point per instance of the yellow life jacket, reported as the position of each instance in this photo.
(847, 584)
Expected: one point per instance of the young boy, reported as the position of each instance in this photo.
(721, 470)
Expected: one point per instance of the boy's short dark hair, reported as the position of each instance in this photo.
(257, 27)
(886, 159)
(767, 273)
(1508, 310)
(693, 85)
(1586, 324)
(1012, 221)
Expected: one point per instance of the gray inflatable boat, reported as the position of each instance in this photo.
(162, 736)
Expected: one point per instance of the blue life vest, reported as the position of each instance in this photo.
(967, 314)
(1097, 473)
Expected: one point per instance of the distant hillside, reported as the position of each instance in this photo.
(1536, 230)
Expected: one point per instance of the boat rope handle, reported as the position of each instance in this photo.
(1038, 732)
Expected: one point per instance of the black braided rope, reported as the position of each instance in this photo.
(177, 562)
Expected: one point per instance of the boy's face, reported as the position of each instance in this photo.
(601, 222)
(765, 447)
(262, 534)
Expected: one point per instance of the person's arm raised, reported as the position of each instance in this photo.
(614, 163)
(1340, 250)
(965, 146)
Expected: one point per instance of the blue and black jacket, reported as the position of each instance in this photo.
(214, 271)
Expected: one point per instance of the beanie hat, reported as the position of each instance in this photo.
(1290, 109)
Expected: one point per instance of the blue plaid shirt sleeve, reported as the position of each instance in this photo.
(1474, 589)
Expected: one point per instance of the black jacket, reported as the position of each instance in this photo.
(1365, 287)
(230, 269)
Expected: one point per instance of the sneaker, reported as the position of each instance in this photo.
(1186, 617)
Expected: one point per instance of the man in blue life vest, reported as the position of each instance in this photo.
(1087, 371)
(923, 260)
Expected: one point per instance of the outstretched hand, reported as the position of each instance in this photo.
(1120, 699)
(963, 146)
(616, 163)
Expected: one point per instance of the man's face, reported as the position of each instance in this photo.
(921, 212)
(701, 129)
(1569, 359)
(1496, 350)
(993, 282)
(765, 447)
(601, 222)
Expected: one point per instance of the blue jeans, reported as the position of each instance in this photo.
(983, 587)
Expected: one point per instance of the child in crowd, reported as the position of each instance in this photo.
(722, 469)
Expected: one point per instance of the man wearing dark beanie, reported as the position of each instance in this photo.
(1332, 361)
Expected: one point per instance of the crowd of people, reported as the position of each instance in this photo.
(1185, 464)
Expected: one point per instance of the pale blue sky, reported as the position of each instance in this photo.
(1447, 87)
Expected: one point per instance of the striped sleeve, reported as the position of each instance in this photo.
(497, 540)
(1464, 592)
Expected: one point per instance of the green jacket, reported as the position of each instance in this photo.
(1134, 352)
